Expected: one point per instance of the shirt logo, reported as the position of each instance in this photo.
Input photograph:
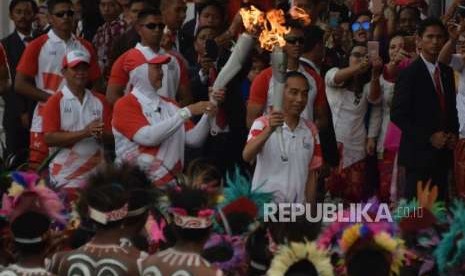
(306, 145)
(68, 109)
(52, 53)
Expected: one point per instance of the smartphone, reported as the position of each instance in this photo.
(373, 49)
(211, 49)
(410, 46)
(377, 6)
(334, 19)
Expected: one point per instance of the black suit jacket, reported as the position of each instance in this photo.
(15, 104)
(416, 111)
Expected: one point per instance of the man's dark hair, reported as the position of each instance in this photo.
(105, 192)
(357, 16)
(147, 3)
(14, 3)
(148, 12)
(301, 268)
(368, 262)
(215, 3)
(200, 29)
(415, 11)
(295, 74)
(52, 3)
(431, 22)
(20, 228)
(192, 200)
(313, 35)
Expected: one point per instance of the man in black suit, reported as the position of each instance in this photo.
(17, 108)
(424, 108)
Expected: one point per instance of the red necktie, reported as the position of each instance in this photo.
(439, 91)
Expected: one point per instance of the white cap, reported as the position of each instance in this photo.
(75, 57)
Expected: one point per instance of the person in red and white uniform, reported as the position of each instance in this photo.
(261, 90)
(130, 69)
(39, 73)
(151, 131)
(76, 123)
(293, 180)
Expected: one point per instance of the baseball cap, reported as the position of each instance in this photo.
(161, 59)
(74, 57)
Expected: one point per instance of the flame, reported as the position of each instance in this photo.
(252, 18)
(300, 14)
(273, 30)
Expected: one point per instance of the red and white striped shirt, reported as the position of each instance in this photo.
(63, 112)
(159, 151)
(42, 59)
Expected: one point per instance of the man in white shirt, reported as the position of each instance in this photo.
(293, 180)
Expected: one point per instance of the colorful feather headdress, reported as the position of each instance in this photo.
(28, 192)
(418, 220)
(239, 186)
(239, 198)
(382, 239)
(288, 255)
(421, 212)
(234, 244)
(341, 236)
(450, 253)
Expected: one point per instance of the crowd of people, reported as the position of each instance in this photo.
(119, 146)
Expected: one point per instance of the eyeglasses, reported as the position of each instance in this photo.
(294, 39)
(358, 55)
(357, 26)
(152, 26)
(62, 14)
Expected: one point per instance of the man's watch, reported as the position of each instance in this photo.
(184, 113)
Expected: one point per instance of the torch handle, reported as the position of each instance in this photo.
(235, 62)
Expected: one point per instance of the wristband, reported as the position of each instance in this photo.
(185, 113)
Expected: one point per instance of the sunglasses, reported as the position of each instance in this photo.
(63, 13)
(152, 26)
(357, 26)
(294, 39)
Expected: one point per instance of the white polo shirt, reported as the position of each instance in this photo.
(131, 70)
(63, 112)
(286, 179)
(42, 60)
(135, 111)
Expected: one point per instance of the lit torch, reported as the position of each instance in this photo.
(252, 20)
(272, 39)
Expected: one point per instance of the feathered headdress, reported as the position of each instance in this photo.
(234, 245)
(382, 239)
(341, 236)
(238, 186)
(420, 213)
(29, 193)
(450, 253)
(240, 199)
(288, 255)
